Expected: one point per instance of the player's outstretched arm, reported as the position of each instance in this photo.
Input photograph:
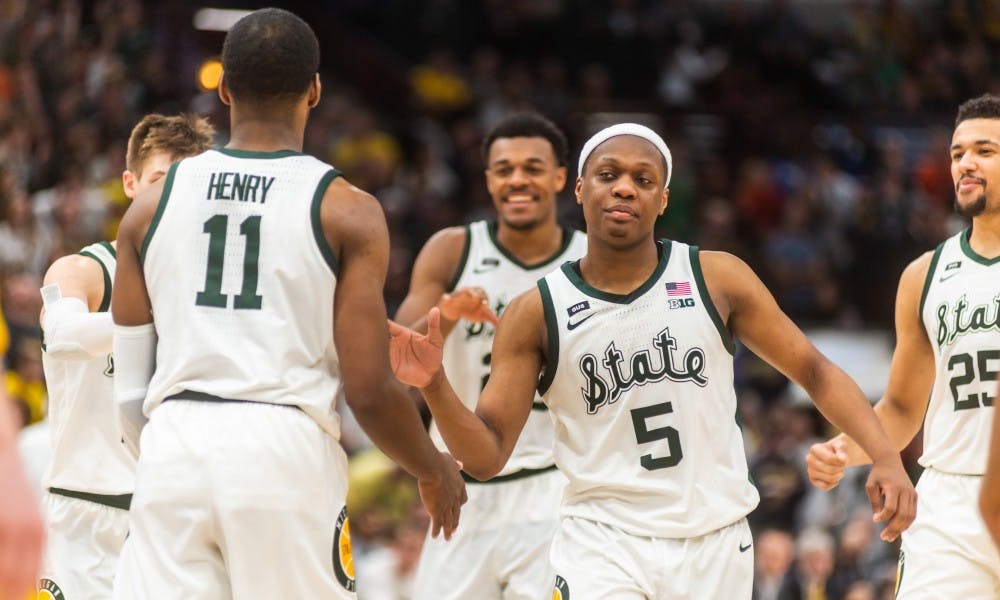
(989, 495)
(755, 317)
(355, 228)
(483, 440)
(21, 532)
(72, 294)
(434, 273)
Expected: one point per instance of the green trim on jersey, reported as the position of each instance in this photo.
(706, 300)
(963, 240)
(106, 297)
(493, 227)
(235, 153)
(317, 224)
(552, 331)
(570, 270)
(462, 260)
(111, 249)
(928, 278)
(161, 206)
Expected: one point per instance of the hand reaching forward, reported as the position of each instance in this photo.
(443, 496)
(893, 499)
(416, 358)
(471, 304)
(825, 464)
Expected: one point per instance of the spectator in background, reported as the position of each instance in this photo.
(774, 554)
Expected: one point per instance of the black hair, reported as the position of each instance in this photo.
(270, 54)
(527, 124)
(986, 106)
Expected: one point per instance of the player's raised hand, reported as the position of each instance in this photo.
(825, 464)
(893, 499)
(443, 496)
(416, 358)
(471, 304)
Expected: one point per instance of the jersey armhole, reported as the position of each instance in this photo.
(462, 260)
(928, 278)
(161, 206)
(106, 297)
(552, 333)
(706, 300)
(317, 224)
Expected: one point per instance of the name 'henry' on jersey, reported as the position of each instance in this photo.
(960, 309)
(239, 270)
(640, 387)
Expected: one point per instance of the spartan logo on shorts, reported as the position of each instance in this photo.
(343, 560)
(48, 590)
(561, 591)
(899, 572)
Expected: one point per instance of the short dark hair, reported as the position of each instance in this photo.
(179, 136)
(269, 55)
(986, 106)
(527, 124)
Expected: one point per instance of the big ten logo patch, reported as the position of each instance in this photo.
(561, 591)
(343, 560)
(48, 590)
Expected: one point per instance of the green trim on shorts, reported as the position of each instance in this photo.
(511, 476)
(119, 501)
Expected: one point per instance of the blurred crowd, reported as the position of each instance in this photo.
(809, 138)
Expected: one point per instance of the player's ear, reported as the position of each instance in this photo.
(315, 91)
(129, 182)
(665, 200)
(560, 179)
(578, 191)
(224, 90)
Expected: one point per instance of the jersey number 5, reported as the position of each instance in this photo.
(217, 230)
(644, 435)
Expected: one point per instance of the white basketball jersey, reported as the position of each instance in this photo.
(87, 452)
(242, 280)
(641, 390)
(467, 351)
(960, 308)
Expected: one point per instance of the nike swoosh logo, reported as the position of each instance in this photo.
(745, 548)
(948, 276)
(572, 326)
(479, 271)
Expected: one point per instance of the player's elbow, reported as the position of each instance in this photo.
(371, 400)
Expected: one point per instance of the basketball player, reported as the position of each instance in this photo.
(947, 349)
(90, 477)
(21, 531)
(501, 549)
(630, 348)
(989, 496)
(253, 274)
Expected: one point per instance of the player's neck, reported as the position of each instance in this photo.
(985, 238)
(619, 270)
(261, 134)
(531, 246)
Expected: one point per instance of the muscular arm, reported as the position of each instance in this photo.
(433, 272)
(484, 440)
(756, 319)
(911, 376)
(355, 228)
(130, 304)
(74, 330)
(989, 496)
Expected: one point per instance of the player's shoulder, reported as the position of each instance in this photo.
(915, 274)
(722, 267)
(72, 264)
(449, 240)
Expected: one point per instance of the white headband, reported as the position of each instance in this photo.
(628, 129)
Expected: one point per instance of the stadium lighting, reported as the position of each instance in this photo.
(217, 19)
(209, 74)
